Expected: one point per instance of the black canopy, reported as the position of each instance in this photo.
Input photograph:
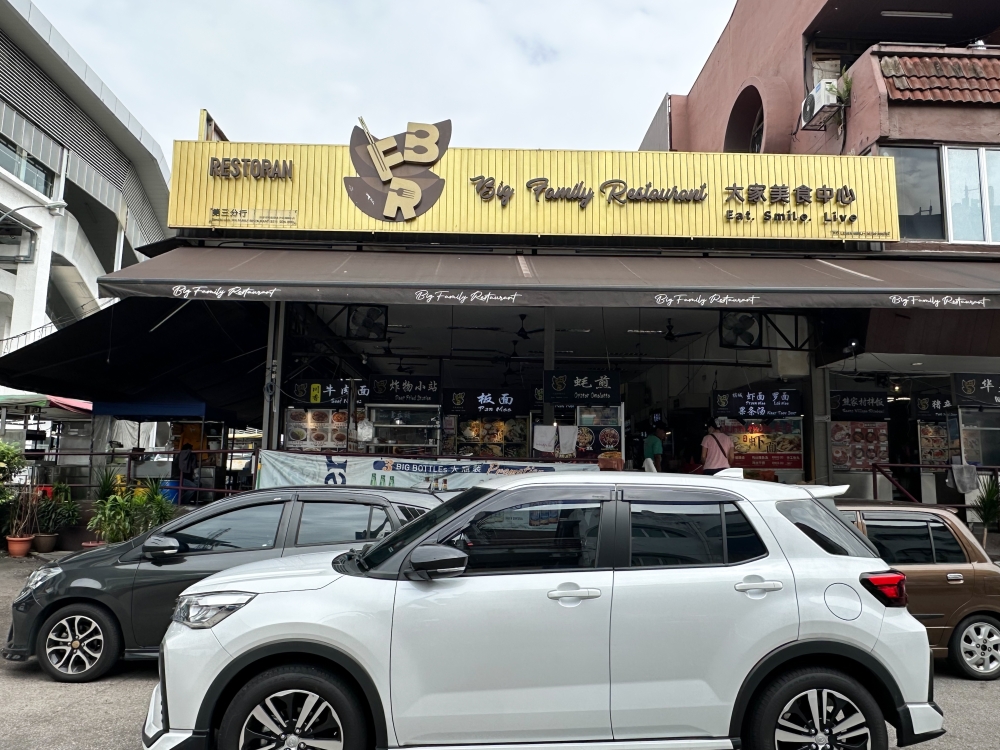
(205, 352)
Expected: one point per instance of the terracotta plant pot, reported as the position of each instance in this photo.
(45, 542)
(19, 546)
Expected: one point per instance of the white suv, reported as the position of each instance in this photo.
(629, 611)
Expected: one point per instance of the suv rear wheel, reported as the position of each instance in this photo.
(975, 647)
(78, 643)
(294, 707)
(816, 708)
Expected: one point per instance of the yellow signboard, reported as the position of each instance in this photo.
(413, 182)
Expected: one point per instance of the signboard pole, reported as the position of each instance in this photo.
(549, 360)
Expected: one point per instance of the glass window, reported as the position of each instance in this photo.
(246, 528)
(409, 512)
(326, 523)
(379, 525)
(676, 534)
(742, 542)
(946, 546)
(532, 536)
(918, 187)
(831, 532)
(965, 197)
(851, 516)
(900, 542)
(36, 175)
(8, 156)
(993, 192)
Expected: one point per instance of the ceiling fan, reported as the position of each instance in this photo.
(474, 328)
(671, 337)
(524, 334)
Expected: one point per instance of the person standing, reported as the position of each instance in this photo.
(652, 448)
(716, 450)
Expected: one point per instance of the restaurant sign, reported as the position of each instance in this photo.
(404, 389)
(975, 390)
(582, 387)
(336, 392)
(858, 405)
(933, 407)
(413, 182)
(757, 404)
(486, 402)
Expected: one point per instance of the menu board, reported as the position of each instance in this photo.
(316, 429)
(857, 445)
(933, 440)
(776, 445)
(972, 390)
(598, 442)
(328, 393)
(493, 437)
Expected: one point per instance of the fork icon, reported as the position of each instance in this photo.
(402, 192)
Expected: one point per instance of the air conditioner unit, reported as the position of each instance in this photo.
(820, 105)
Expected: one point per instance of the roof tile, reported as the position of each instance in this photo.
(942, 79)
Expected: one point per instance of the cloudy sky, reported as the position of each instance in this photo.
(583, 74)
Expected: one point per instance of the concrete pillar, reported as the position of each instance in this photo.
(32, 285)
(119, 247)
(549, 358)
(820, 382)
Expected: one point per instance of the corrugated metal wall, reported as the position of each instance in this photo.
(96, 164)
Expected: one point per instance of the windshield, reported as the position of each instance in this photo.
(386, 548)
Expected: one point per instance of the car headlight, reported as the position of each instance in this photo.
(38, 577)
(200, 611)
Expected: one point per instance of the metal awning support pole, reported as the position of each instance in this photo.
(549, 358)
(269, 372)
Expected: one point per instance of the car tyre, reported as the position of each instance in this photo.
(974, 648)
(297, 704)
(78, 643)
(785, 715)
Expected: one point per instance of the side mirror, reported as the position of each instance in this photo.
(433, 561)
(158, 547)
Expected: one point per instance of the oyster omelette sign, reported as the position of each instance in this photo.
(395, 182)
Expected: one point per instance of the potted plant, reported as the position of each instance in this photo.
(21, 508)
(112, 519)
(54, 514)
(987, 504)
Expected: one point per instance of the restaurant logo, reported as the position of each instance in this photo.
(458, 398)
(395, 182)
(722, 399)
(558, 382)
(969, 387)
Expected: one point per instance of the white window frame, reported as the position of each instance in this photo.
(983, 195)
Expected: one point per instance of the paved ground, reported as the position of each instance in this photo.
(36, 712)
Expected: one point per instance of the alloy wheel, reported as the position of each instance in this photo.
(821, 720)
(292, 719)
(980, 646)
(74, 644)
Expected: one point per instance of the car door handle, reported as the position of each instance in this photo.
(574, 594)
(759, 586)
(956, 578)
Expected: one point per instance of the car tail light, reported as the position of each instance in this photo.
(889, 587)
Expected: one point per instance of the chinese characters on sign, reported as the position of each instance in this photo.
(972, 389)
(783, 195)
(757, 404)
(254, 217)
(499, 401)
(776, 445)
(327, 392)
(867, 405)
(404, 389)
(933, 407)
(581, 387)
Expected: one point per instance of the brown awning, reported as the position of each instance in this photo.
(557, 280)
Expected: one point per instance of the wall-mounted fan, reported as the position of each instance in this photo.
(741, 330)
(367, 322)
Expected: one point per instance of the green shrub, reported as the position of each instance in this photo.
(987, 504)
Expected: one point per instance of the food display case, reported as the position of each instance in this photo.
(980, 430)
(857, 445)
(599, 431)
(405, 430)
(507, 438)
(316, 429)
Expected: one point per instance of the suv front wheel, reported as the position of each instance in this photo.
(295, 706)
(816, 708)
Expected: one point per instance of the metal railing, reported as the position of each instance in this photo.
(885, 470)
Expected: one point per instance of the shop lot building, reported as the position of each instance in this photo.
(759, 261)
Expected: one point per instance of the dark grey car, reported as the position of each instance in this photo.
(81, 614)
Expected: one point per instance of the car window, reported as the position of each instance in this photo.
(828, 530)
(379, 525)
(946, 546)
(901, 541)
(851, 516)
(679, 534)
(409, 512)
(549, 534)
(253, 527)
(327, 523)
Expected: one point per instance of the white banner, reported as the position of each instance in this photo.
(280, 469)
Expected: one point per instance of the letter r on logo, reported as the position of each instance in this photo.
(403, 195)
